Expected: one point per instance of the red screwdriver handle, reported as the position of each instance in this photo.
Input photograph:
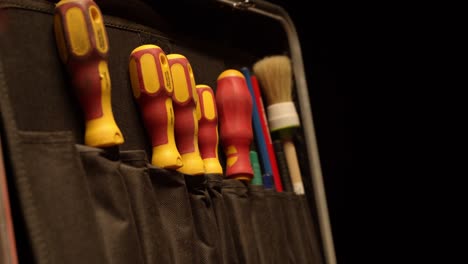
(184, 101)
(152, 87)
(83, 47)
(234, 105)
(208, 129)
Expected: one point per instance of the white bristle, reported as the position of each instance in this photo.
(274, 75)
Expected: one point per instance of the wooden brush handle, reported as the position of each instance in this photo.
(293, 165)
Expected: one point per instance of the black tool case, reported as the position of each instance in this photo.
(73, 203)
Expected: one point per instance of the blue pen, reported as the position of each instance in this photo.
(260, 139)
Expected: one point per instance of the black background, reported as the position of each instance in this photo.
(316, 25)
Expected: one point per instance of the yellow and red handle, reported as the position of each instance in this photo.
(184, 100)
(234, 105)
(83, 46)
(208, 129)
(153, 88)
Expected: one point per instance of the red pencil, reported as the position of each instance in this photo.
(266, 134)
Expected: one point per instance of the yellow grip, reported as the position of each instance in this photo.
(83, 47)
(186, 121)
(103, 131)
(208, 129)
(152, 88)
(80, 30)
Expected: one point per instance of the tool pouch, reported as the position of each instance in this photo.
(77, 204)
(206, 232)
(239, 208)
(226, 240)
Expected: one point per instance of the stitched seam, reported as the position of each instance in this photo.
(31, 138)
(49, 10)
(135, 159)
(215, 181)
(111, 24)
(8, 4)
(232, 187)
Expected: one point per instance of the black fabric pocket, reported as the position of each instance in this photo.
(281, 253)
(310, 233)
(175, 211)
(263, 224)
(294, 230)
(112, 205)
(226, 241)
(55, 201)
(153, 237)
(238, 209)
(206, 243)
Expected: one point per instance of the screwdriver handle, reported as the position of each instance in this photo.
(208, 129)
(152, 87)
(184, 100)
(83, 47)
(235, 115)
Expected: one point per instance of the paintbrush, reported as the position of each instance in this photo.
(275, 76)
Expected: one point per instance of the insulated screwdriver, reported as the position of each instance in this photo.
(208, 130)
(83, 47)
(235, 114)
(153, 88)
(184, 101)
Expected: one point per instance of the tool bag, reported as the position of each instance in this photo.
(73, 203)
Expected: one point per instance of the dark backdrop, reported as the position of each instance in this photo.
(316, 26)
